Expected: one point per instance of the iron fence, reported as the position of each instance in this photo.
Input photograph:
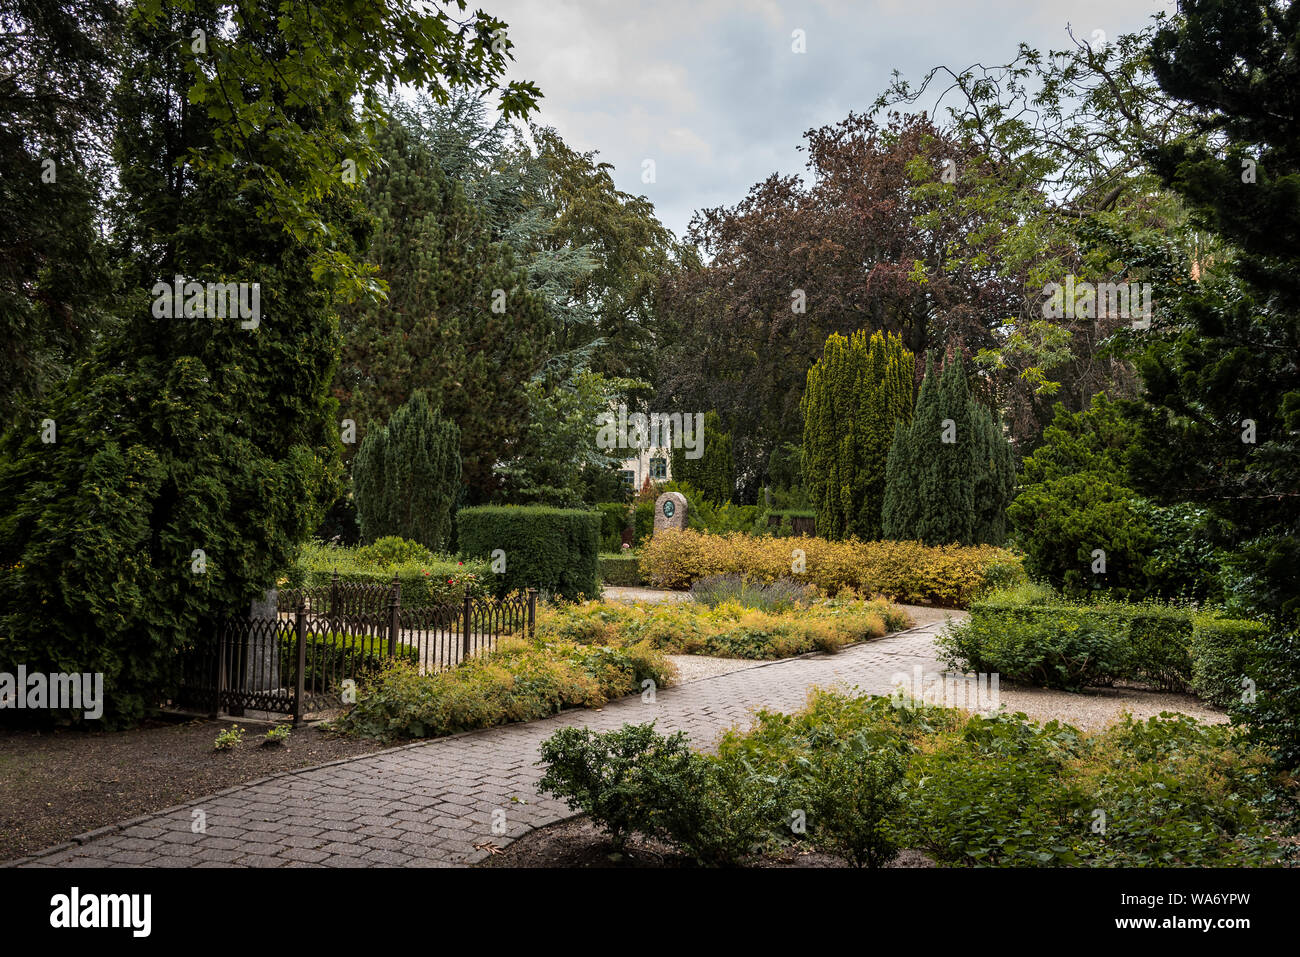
(306, 656)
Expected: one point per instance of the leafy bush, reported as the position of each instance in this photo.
(728, 630)
(948, 575)
(615, 778)
(391, 550)
(334, 656)
(1057, 644)
(1223, 652)
(622, 569)
(635, 780)
(551, 549)
(519, 681)
(854, 799)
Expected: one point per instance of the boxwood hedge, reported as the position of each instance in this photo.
(552, 549)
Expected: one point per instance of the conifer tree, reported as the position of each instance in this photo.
(856, 394)
(951, 472)
(407, 476)
(714, 472)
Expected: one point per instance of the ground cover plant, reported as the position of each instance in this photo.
(426, 578)
(728, 628)
(948, 576)
(521, 680)
(862, 776)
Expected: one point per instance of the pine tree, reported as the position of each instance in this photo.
(407, 476)
(856, 394)
(951, 472)
(714, 472)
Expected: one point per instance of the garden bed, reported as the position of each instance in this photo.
(58, 784)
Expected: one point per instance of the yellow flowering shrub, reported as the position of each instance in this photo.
(949, 576)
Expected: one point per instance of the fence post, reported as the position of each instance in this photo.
(300, 680)
(394, 619)
(219, 636)
(532, 612)
(334, 601)
(464, 632)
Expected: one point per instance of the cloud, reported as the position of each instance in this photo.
(712, 91)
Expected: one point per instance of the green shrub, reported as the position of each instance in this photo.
(854, 800)
(782, 595)
(391, 550)
(614, 778)
(520, 681)
(334, 656)
(552, 549)
(1028, 637)
(406, 476)
(1223, 650)
(620, 569)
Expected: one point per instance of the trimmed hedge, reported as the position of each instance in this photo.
(1057, 644)
(1222, 652)
(552, 549)
(620, 569)
(945, 575)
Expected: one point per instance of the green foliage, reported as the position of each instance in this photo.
(519, 681)
(620, 569)
(781, 596)
(856, 395)
(460, 319)
(390, 550)
(613, 777)
(435, 580)
(785, 466)
(333, 657)
(229, 739)
(551, 549)
(277, 735)
(1225, 652)
(614, 518)
(714, 472)
(854, 801)
(1045, 642)
(407, 476)
(951, 471)
(728, 629)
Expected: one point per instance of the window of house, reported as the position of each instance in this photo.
(658, 468)
(629, 477)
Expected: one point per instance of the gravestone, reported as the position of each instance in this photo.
(670, 512)
(263, 652)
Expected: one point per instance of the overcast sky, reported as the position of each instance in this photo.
(712, 92)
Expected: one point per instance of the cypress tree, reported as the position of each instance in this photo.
(714, 472)
(856, 394)
(407, 476)
(951, 472)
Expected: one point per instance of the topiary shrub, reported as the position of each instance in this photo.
(621, 570)
(614, 517)
(555, 550)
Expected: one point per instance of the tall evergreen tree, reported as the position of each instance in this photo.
(856, 394)
(951, 472)
(714, 472)
(407, 476)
